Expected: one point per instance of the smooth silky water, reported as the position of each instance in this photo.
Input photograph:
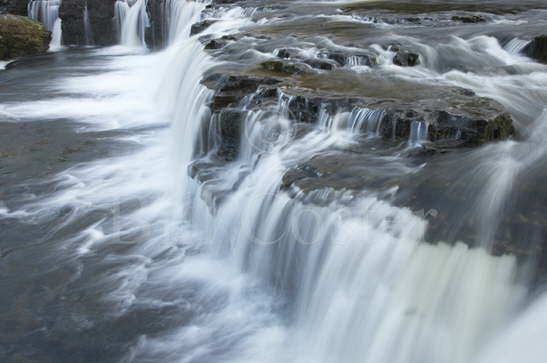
(120, 256)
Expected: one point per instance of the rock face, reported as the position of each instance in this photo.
(101, 14)
(406, 59)
(452, 117)
(17, 7)
(21, 36)
(537, 49)
(156, 33)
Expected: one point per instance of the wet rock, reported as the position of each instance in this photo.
(215, 44)
(344, 59)
(469, 19)
(451, 114)
(472, 130)
(325, 65)
(285, 67)
(453, 117)
(319, 64)
(21, 36)
(406, 59)
(230, 89)
(101, 13)
(201, 26)
(71, 13)
(229, 126)
(537, 49)
(218, 43)
(285, 53)
(341, 170)
(155, 34)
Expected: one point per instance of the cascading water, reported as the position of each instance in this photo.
(233, 266)
(87, 27)
(418, 133)
(47, 12)
(131, 20)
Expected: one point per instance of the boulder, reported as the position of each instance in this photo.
(285, 67)
(406, 59)
(469, 19)
(537, 49)
(201, 26)
(21, 36)
(231, 89)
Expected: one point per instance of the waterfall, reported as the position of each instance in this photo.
(231, 264)
(131, 20)
(181, 16)
(516, 45)
(418, 133)
(47, 12)
(523, 340)
(88, 35)
(359, 286)
(363, 285)
(367, 120)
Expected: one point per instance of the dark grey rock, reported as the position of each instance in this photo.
(101, 14)
(406, 59)
(537, 49)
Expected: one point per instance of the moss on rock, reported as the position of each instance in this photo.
(21, 36)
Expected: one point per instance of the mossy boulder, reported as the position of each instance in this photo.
(21, 36)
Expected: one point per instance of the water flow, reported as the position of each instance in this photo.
(359, 279)
(418, 133)
(47, 12)
(268, 276)
(87, 27)
(181, 16)
(132, 20)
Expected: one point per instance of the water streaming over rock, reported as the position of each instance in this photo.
(131, 21)
(88, 34)
(238, 267)
(47, 12)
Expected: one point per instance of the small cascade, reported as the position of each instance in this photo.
(131, 20)
(87, 27)
(268, 271)
(355, 61)
(366, 120)
(47, 12)
(516, 45)
(418, 133)
(179, 17)
(325, 119)
(347, 270)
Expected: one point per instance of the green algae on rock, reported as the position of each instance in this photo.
(21, 36)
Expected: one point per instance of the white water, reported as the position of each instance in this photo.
(276, 279)
(3, 64)
(523, 340)
(47, 12)
(131, 20)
